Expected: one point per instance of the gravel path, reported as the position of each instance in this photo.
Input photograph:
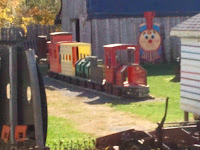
(89, 110)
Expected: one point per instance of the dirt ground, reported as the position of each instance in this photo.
(89, 111)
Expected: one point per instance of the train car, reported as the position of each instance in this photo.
(56, 39)
(70, 54)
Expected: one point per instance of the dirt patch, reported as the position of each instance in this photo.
(96, 119)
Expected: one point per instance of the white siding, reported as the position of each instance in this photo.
(190, 75)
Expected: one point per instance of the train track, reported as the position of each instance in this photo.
(136, 92)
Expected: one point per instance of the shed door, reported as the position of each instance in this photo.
(77, 26)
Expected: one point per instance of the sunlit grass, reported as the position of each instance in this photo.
(61, 132)
(161, 85)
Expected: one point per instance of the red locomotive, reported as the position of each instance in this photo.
(121, 74)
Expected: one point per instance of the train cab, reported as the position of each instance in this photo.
(122, 70)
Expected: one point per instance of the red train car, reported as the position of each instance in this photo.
(54, 49)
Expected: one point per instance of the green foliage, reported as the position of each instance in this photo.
(161, 85)
(83, 144)
(63, 134)
(6, 17)
(40, 11)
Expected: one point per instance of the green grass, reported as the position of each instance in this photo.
(159, 80)
(63, 132)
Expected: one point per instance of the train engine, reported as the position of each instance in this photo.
(123, 74)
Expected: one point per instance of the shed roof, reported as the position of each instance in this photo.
(117, 44)
(189, 28)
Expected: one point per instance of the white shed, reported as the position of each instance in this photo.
(189, 32)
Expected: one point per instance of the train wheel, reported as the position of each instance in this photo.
(117, 91)
(75, 81)
(98, 87)
(108, 88)
(91, 85)
(56, 76)
(50, 74)
(70, 80)
(82, 83)
(61, 77)
(85, 84)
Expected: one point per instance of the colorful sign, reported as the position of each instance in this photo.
(149, 39)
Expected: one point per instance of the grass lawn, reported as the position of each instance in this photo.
(61, 132)
(159, 81)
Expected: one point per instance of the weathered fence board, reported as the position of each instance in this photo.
(33, 31)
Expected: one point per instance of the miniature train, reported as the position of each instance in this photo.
(120, 74)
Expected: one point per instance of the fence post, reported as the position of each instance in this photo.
(186, 116)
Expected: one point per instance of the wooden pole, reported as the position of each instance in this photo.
(186, 116)
(36, 98)
(13, 92)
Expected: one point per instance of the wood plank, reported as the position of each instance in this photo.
(190, 76)
(190, 95)
(190, 102)
(188, 68)
(186, 116)
(13, 95)
(188, 62)
(190, 49)
(190, 82)
(191, 109)
(190, 41)
(190, 55)
(190, 89)
(36, 98)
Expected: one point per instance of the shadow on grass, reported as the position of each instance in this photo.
(88, 96)
(160, 69)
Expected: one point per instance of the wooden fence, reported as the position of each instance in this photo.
(35, 37)
(11, 34)
(33, 31)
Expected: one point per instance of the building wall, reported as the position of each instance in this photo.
(190, 75)
(71, 10)
(99, 32)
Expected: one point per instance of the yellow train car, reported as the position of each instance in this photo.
(70, 53)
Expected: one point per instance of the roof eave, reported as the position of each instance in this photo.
(185, 34)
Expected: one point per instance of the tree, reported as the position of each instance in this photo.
(23, 12)
(37, 11)
(6, 17)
